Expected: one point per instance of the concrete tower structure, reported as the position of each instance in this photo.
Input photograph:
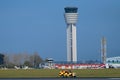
(103, 50)
(71, 17)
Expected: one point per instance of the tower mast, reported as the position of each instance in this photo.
(103, 50)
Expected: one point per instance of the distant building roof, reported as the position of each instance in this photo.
(113, 59)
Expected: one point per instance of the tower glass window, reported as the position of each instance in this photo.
(71, 10)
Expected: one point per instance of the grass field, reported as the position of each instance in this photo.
(38, 73)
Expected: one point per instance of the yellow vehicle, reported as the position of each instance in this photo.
(66, 73)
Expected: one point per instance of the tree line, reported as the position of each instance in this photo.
(22, 59)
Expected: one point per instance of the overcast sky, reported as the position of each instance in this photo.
(39, 26)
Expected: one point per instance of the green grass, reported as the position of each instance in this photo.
(38, 73)
(98, 73)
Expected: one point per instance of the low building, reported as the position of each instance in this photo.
(113, 62)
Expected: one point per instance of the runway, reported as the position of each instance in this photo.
(65, 79)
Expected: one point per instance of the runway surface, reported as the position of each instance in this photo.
(67, 79)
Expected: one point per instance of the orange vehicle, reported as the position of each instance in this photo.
(66, 73)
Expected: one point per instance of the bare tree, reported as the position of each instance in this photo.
(37, 59)
(16, 59)
(6, 60)
(31, 59)
(26, 57)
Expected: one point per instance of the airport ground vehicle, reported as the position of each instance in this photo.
(67, 73)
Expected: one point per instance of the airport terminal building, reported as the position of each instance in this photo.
(113, 62)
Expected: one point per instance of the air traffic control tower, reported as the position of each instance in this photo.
(71, 17)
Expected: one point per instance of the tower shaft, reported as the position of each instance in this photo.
(71, 43)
